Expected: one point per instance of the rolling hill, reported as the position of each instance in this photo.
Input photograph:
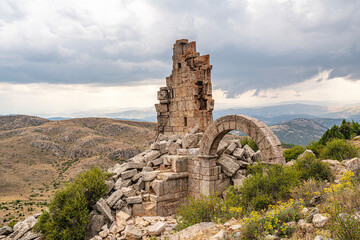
(37, 154)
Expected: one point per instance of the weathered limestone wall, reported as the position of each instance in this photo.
(186, 101)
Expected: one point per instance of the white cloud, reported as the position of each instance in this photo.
(319, 89)
(53, 99)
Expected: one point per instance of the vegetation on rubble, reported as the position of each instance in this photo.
(68, 211)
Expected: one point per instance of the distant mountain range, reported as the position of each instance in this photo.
(299, 131)
(280, 117)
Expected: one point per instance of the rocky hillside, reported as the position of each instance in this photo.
(36, 155)
(300, 131)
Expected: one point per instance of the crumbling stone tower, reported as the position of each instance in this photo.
(186, 101)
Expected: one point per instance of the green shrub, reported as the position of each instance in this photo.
(315, 147)
(339, 149)
(12, 223)
(68, 212)
(309, 167)
(293, 152)
(343, 226)
(274, 221)
(266, 185)
(203, 209)
(250, 142)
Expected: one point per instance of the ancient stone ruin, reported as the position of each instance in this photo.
(188, 158)
(186, 101)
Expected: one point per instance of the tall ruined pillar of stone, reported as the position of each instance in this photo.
(186, 101)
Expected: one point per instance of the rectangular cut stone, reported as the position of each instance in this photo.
(134, 199)
(128, 174)
(104, 208)
(121, 218)
(157, 228)
(228, 164)
(230, 149)
(170, 176)
(158, 187)
(207, 187)
(249, 152)
(157, 162)
(238, 153)
(149, 176)
(122, 183)
(152, 155)
(114, 197)
(140, 185)
(182, 152)
(179, 164)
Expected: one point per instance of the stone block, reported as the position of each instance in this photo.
(127, 166)
(128, 191)
(243, 164)
(207, 187)
(121, 218)
(228, 164)
(173, 147)
(119, 204)
(134, 199)
(182, 152)
(249, 152)
(172, 175)
(162, 95)
(149, 176)
(152, 155)
(104, 209)
(230, 149)
(157, 162)
(128, 174)
(122, 183)
(155, 146)
(114, 197)
(136, 177)
(179, 164)
(140, 185)
(132, 232)
(238, 153)
(158, 187)
(157, 228)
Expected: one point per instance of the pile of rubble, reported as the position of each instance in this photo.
(145, 192)
(155, 182)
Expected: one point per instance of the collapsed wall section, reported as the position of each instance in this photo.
(186, 101)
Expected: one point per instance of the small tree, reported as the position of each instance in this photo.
(68, 212)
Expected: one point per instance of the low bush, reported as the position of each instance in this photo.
(343, 225)
(203, 209)
(339, 149)
(68, 212)
(309, 167)
(250, 142)
(293, 152)
(273, 221)
(266, 185)
(308, 190)
(316, 147)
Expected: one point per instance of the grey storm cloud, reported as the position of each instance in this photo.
(253, 44)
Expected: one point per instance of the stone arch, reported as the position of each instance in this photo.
(269, 145)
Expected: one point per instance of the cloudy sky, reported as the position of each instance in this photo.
(64, 55)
